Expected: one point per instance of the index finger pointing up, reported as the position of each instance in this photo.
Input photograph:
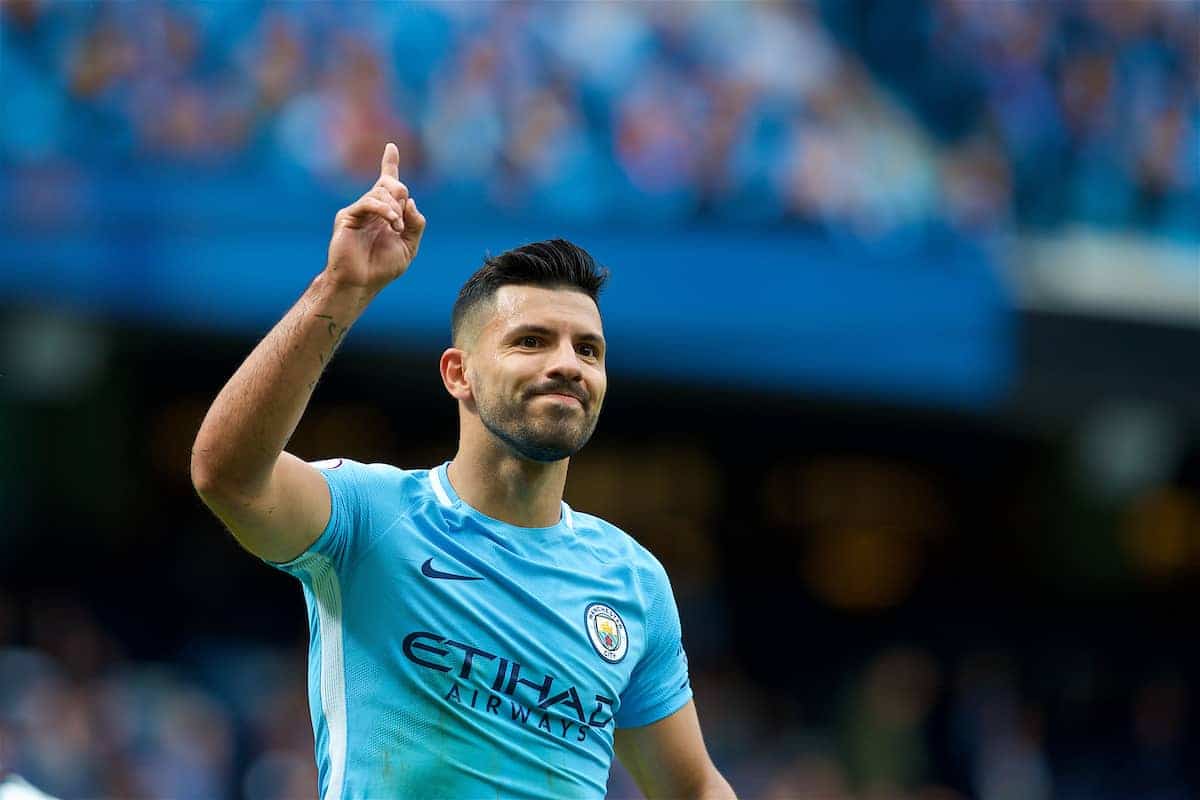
(391, 161)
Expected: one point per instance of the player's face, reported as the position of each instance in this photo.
(538, 371)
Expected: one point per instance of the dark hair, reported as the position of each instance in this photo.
(552, 264)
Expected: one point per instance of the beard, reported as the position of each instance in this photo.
(553, 435)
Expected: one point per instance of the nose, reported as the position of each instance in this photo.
(564, 362)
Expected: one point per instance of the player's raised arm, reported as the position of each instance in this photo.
(274, 503)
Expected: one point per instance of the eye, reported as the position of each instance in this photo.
(589, 351)
(530, 341)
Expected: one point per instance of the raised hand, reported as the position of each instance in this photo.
(376, 237)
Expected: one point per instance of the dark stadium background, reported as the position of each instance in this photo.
(904, 386)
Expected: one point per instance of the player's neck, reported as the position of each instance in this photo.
(497, 483)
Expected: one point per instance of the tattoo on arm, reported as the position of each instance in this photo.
(335, 332)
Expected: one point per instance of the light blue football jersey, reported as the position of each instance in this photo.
(456, 656)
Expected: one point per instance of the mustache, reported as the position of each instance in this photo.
(563, 387)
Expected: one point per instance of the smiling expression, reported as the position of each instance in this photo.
(536, 370)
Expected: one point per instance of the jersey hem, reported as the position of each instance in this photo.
(658, 712)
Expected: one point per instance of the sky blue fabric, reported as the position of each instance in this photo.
(456, 656)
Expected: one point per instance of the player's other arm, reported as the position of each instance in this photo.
(274, 503)
(668, 759)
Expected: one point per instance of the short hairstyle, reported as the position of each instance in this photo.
(552, 264)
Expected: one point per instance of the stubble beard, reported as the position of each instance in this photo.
(544, 438)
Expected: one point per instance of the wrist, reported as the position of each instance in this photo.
(326, 292)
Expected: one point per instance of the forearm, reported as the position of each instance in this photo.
(256, 412)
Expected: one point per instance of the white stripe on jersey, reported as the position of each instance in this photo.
(327, 594)
(438, 489)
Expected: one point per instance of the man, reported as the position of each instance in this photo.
(471, 635)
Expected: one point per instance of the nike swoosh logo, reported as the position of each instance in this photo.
(429, 572)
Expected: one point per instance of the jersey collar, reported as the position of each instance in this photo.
(439, 481)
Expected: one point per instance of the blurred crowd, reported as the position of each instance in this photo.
(1068, 110)
(871, 117)
(847, 115)
(78, 718)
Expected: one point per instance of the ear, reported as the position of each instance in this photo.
(453, 366)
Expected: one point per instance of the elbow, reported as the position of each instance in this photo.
(707, 784)
(214, 487)
(208, 477)
(216, 480)
(716, 787)
(203, 474)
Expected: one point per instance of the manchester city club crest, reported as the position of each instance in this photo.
(606, 630)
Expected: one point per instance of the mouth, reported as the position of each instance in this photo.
(563, 398)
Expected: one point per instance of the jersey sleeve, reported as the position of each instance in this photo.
(659, 684)
(348, 528)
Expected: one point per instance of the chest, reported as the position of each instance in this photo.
(545, 625)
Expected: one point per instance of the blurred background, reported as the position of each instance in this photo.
(904, 363)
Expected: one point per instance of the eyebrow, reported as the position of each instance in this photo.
(587, 336)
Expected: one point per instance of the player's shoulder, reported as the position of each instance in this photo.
(621, 551)
(378, 479)
(613, 543)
